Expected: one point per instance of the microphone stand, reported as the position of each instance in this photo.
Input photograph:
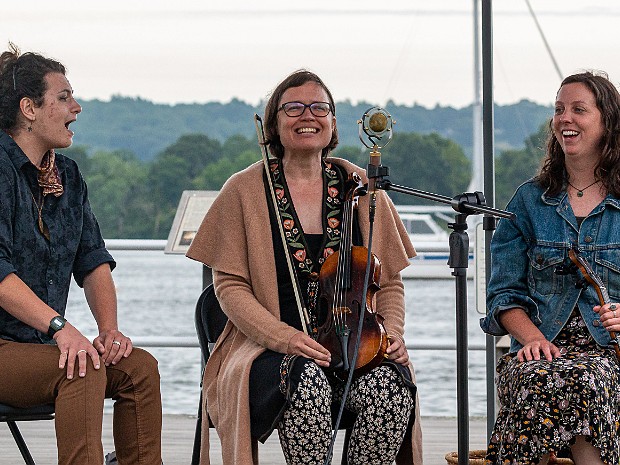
(464, 204)
(376, 127)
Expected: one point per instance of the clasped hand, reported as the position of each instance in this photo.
(110, 347)
(304, 345)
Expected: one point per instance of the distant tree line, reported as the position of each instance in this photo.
(136, 198)
(146, 128)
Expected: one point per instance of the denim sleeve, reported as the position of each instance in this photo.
(7, 196)
(91, 252)
(508, 286)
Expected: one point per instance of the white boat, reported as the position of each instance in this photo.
(430, 240)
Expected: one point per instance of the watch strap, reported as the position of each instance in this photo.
(56, 324)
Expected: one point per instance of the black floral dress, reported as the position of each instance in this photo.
(545, 405)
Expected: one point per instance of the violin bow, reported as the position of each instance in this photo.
(597, 283)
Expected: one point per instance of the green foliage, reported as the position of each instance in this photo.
(146, 128)
(429, 163)
(357, 155)
(117, 183)
(514, 167)
(214, 176)
(237, 144)
(133, 198)
(196, 150)
(79, 153)
(415, 160)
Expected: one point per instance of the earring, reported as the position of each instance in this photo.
(30, 127)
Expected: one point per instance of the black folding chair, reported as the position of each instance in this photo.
(11, 415)
(210, 321)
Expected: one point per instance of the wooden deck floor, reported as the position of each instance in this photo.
(440, 437)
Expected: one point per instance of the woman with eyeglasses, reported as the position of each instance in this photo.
(48, 234)
(265, 371)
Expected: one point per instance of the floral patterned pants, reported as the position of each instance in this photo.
(381, 400)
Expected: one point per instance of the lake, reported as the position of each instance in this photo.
(157, 294)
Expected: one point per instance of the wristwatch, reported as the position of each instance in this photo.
(56, 324)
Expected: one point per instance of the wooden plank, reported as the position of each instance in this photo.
(440, 437)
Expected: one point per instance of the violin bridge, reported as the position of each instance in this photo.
(338, 311)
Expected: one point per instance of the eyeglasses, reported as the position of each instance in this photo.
(318, 109)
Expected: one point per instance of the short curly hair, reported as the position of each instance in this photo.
(22, 75)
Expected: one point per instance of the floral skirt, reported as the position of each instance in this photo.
(545, 405)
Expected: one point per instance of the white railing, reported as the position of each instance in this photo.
(190, 341)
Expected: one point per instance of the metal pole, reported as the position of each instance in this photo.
(489, 182)
(459, 263)
(477, 166)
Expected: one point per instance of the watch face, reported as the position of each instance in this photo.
(56, 324)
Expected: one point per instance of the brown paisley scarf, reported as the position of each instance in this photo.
(48, 177)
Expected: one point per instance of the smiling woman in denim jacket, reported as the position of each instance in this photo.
(559, 387)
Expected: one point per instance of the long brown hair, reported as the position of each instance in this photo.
(296, 79)
(552, 175)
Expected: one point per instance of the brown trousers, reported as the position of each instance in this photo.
(29, 375)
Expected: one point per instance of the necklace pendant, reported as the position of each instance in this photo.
(579, 193)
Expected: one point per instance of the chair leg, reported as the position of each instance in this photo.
(21, 444)
(198, 434)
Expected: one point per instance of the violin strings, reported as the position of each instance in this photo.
(345, 241)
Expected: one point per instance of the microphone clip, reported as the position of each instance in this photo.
(374, 171)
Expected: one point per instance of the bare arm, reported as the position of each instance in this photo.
(517, 323)
(19, 300)
(101, 297)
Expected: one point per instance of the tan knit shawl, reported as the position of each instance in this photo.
(235, 240)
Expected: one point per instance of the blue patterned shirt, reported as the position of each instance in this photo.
(75, 247)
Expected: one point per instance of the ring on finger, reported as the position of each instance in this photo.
(612, 307)
(81, 350)
(116, 342)
(614, 313)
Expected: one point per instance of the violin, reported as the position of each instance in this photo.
(597, 283)
(589, 277)
(341, 301)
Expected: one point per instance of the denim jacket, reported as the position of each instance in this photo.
(526, 252)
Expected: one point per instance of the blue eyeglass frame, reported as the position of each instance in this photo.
(309, 106)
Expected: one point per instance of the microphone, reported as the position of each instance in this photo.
(376, 124)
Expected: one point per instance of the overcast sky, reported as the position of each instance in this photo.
(407, 51)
